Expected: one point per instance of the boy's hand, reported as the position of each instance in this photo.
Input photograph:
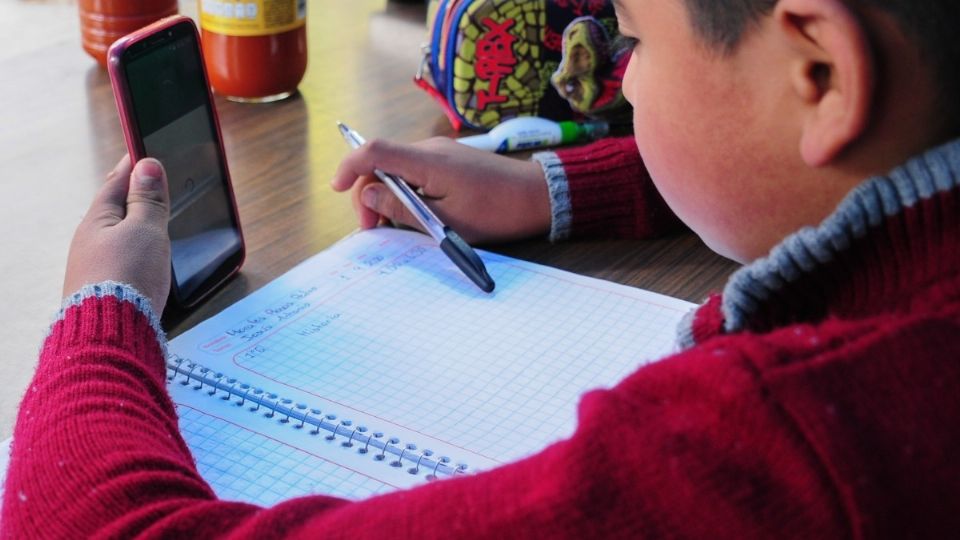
(484, 197)
(123, 237)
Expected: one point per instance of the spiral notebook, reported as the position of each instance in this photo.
(376, 365)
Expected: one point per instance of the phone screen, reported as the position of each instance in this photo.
(177, 125)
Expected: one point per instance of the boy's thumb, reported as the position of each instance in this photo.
(378, 198)
(148, 198)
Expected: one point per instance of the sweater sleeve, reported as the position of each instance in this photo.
(689, 446)
(604, 190)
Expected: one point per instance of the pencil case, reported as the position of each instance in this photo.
(486, 61)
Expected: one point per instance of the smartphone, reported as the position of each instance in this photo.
(167, 111)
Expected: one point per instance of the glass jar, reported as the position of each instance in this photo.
(104, 21)
(255, 50)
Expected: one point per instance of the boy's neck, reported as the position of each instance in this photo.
(890, 239)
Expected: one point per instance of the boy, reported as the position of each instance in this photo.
(815, 398)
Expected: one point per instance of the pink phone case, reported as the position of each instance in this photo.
(135, 148)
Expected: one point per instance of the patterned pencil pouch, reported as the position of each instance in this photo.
(491, 60)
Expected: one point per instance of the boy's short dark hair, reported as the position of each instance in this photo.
(933, 23)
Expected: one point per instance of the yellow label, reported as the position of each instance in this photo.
(252, 17)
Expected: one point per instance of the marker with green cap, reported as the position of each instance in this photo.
(530, 132)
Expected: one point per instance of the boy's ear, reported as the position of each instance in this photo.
(833, 73)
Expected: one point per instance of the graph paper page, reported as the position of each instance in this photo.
(384, 330)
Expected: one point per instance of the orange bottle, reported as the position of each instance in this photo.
(254, 50)
(104, 21)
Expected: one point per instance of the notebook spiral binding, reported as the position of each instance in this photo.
(375, 443)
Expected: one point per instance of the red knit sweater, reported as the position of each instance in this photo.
(820, 400)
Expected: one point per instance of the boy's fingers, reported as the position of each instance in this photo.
(110, 203)
(148, 199)
(399, 159)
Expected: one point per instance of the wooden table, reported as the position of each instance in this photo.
(59, 135)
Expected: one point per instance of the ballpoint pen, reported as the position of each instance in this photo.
(450, 242)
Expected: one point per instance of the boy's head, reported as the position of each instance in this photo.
(932, 24)
(755, 117)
